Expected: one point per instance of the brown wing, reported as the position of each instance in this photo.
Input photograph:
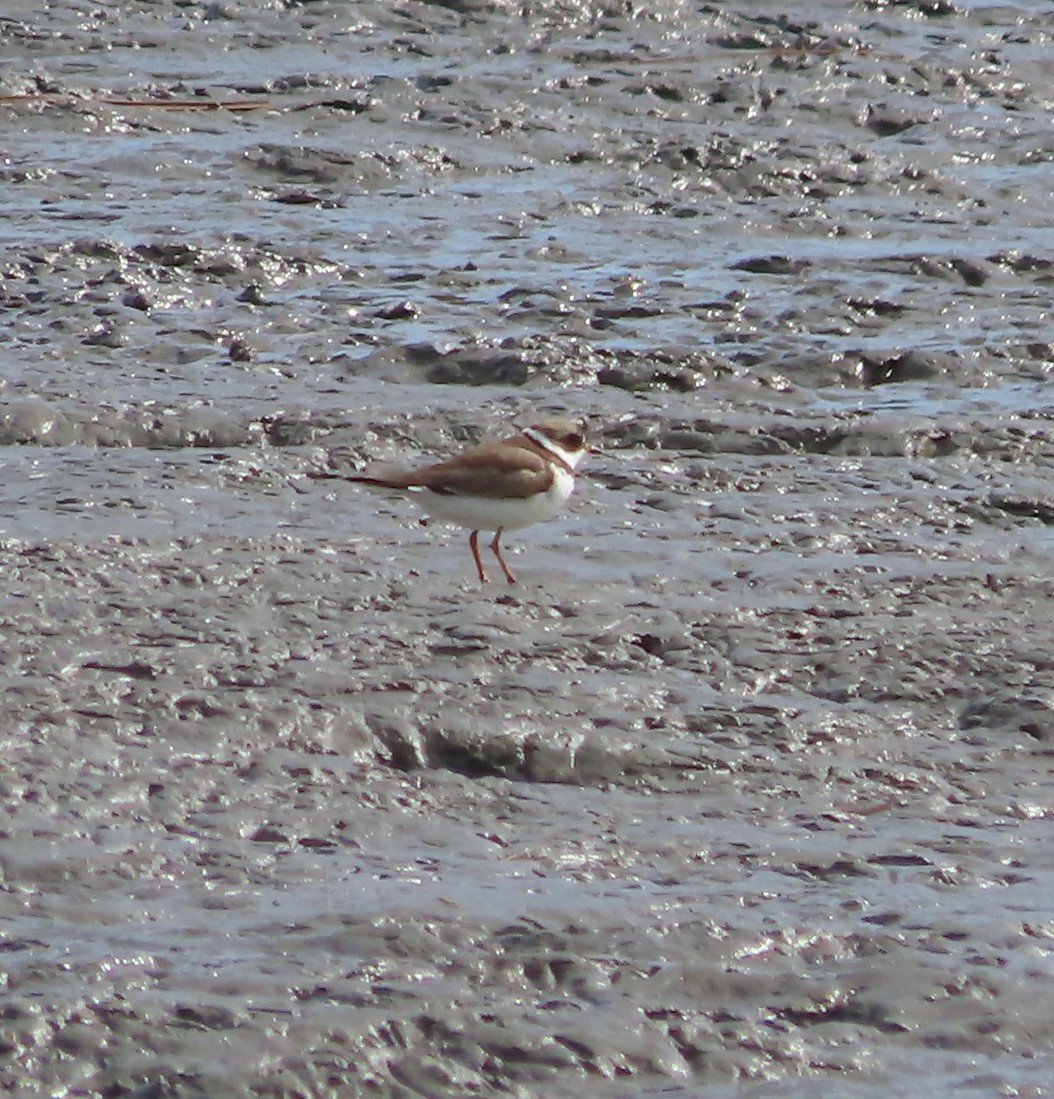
(494, 470)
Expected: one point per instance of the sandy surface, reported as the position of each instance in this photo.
(746, 788)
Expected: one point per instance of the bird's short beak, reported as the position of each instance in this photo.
(590, 449)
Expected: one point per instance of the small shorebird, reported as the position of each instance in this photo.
(497, 486)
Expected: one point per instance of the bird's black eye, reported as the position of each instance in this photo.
(573, 440)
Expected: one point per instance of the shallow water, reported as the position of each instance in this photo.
(744, 789)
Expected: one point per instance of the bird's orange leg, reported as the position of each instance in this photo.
(473, 541)
(496, 547)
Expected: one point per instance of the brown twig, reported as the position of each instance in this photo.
(162, 104)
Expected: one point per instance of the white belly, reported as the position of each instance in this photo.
(480, 513)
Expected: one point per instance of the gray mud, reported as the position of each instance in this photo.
(746, 788)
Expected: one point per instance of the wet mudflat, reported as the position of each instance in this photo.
(745, 788)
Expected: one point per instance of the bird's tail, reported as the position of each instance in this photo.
(381, 478)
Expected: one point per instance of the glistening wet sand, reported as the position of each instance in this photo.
(745, 789)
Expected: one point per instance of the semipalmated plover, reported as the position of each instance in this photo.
(497, 486)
